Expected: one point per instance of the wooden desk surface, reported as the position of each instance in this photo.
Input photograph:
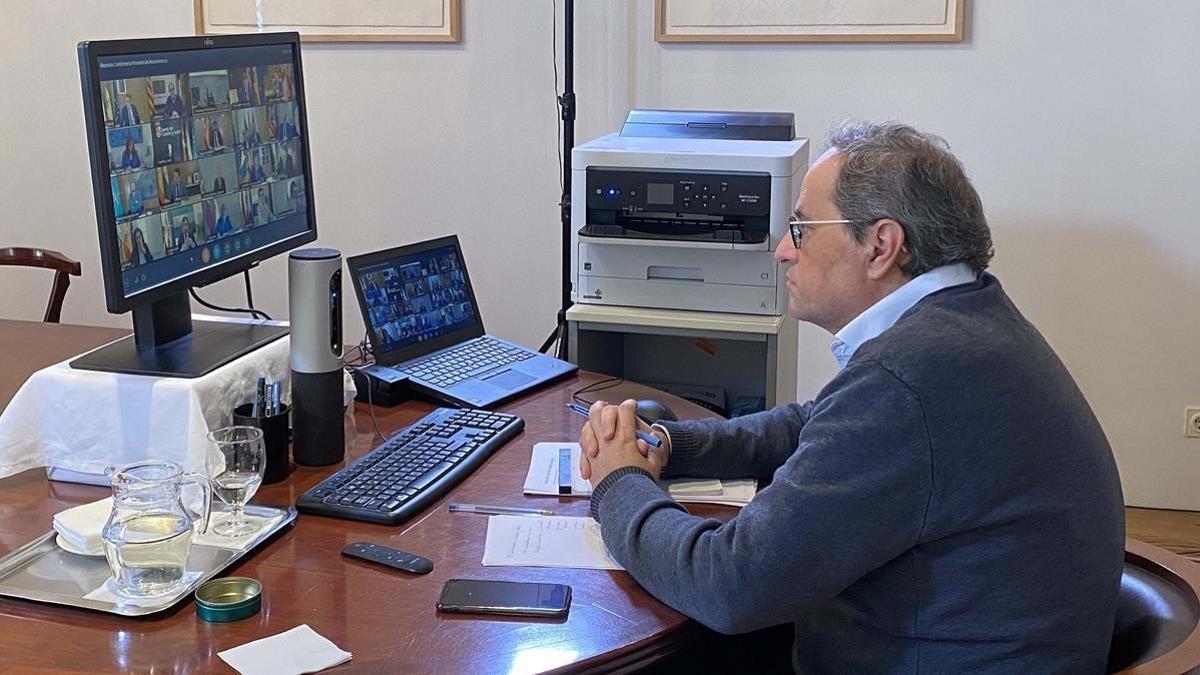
(385, 618)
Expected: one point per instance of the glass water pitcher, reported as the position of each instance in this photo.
(148, 535)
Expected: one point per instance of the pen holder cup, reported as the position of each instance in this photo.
(276, 439)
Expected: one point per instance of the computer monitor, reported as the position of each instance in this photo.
(200, 169)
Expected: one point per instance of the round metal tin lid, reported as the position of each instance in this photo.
(228, 599)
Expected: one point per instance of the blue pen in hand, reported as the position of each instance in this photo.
(649, 438)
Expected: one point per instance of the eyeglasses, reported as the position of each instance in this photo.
(798, 226)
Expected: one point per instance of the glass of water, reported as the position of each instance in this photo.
(236, 461)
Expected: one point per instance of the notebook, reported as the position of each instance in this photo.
(424, 325)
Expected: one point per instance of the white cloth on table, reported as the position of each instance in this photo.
(86, 420)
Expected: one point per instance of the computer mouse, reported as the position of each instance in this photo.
(652, 411)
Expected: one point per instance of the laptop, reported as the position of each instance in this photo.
(424, 326)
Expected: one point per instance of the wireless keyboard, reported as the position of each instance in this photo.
(410, 470)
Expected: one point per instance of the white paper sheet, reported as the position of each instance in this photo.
(542, 479)
(547, 541)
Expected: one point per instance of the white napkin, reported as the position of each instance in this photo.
(299, 650)
(82, 525)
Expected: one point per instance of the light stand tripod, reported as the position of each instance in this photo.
(567, 103)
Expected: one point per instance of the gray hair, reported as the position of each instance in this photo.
(891, 170)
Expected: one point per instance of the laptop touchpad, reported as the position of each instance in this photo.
(508, 379)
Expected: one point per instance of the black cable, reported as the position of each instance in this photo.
(557, 100)
(602, 385)
(249, 294)
(364, 353)
(258, 314)
(553, 337)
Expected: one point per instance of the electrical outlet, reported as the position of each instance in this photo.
(1191, 422)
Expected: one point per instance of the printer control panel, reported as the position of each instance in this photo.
(715, 193)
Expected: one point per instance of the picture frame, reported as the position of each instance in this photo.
(335, 20)
(809, 21)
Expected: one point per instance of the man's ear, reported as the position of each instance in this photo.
(888, 248)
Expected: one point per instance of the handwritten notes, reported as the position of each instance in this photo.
(550, 541)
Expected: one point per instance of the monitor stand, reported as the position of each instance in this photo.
(166, 342)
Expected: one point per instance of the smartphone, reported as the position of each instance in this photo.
(477, 596)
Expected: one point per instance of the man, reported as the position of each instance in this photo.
(216, 140)
(224, 225)
(187, 235)
(244, 90)
(174, 104)
(127, 114)
(175, 189)
(288, 130)
(947, 503)
(289, 163)
(254, 172)
(260, 210)
(296, 201)
(133, 199)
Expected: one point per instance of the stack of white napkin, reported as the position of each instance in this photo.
(81, 527)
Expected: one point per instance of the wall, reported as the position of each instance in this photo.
(1078, 128)
(408, 142)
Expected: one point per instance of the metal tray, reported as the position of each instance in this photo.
(42, 571)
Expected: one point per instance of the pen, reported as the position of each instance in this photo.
(498, 510)
(260, 398)
(649, 438)
(276, 397)
(262, 395)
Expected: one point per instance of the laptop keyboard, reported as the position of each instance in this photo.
(452, 366)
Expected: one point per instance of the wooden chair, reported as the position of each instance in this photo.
(40, 257)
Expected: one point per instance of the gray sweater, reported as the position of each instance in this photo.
(947, 503)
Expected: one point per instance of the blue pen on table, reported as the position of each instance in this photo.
(649, 438)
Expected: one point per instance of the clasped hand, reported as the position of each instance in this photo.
(608, 442)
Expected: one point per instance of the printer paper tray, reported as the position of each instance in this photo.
(764, 245)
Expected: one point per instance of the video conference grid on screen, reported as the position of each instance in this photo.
(199, 158)
(416, 298)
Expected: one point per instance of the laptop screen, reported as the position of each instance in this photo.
(416, 294)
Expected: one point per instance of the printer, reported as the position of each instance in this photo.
(683, 210)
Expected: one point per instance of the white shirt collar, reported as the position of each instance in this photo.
(883, 314)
